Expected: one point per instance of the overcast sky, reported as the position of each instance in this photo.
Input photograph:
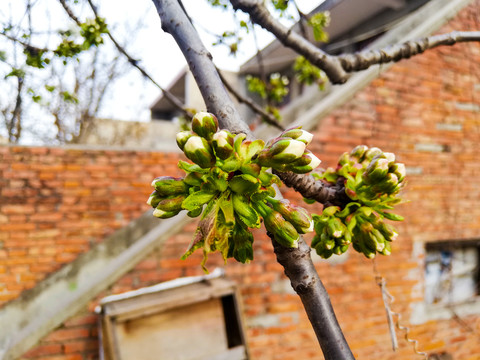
(157, 51)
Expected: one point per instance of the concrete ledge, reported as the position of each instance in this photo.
(41, 309)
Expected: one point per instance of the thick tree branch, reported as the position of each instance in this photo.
(306, 283)
(176, 23)
(365, 59)
(315, 189)
(296, 261)
(260, 15)
(267, 117)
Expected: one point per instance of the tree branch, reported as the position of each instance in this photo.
(296, 261)
(365, 59)
(260, 15)
(306, 283)
(267, 117)
(176, 23)
(338, 67)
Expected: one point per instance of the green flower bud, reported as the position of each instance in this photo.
(358, 152)
(336, 228)
(204, 124)
(283, 232)
(326, 241)
(199, 151)
(282, 151)
(299, 217)
(306, 163)
(171, 203)
(222, 143)
(376, 171)
(399, 170)
(298, 134)
(389, 185)
(344, 159)
(154, 199)
(168, 185)
(371, 153)
(182, 138)
(164, 214)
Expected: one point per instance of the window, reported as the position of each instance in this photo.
(451, 281)
(451, 272)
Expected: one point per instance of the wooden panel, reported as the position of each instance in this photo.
(191, 332)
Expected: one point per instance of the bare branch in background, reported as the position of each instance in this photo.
(267, 117)
(338, 67)
(364, 59)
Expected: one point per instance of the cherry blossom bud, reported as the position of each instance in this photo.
(168, 185)
(182, 138)
(299, 135)
(199, 151)
(376, 170)
(299, 217)
(282, 151)
(204, 124)
(222, 143)
(399, 170)
(358, 152)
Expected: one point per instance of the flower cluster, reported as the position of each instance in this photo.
(372, 181)
(230, 186)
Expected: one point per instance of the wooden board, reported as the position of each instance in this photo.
(192, 332)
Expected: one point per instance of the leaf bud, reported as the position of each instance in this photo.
(199, 151)
(244, 184)
(204, 124)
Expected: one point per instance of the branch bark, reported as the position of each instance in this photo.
(363, 60)
(176, 23)
(338, 67)
(296, 261)
(315, 189)
(260, 15)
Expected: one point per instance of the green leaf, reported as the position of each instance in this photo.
(187, 167)
(391, 216)
(197, 199)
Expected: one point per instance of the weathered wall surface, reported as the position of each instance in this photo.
(56, 202)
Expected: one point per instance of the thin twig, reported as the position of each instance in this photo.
(168, 95)
(267, 117)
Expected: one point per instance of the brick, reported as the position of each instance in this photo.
(68, 334)
(44, 350)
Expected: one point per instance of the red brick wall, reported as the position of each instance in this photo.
(56, 202)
